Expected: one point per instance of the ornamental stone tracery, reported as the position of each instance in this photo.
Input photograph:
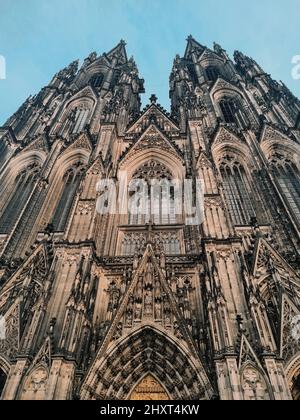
(117, 305)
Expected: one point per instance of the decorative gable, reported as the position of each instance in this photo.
(154, 114)
(148, 301)
(39, 144)
(272, 134)
(82, 142)
(226, 137)
(222, 84)
(153, 138)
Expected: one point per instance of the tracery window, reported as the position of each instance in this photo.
(288, 178)
(81, 116)
(152, 196)
(23, 187)
(238, 192)
(71, 182)
(229, 109)
(212, 73)
(96, 80)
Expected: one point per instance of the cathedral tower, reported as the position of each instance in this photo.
(147, 254)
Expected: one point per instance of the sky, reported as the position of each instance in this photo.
(40, 37)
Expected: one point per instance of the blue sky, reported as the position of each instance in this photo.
(39, 37)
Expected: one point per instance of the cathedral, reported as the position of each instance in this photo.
(112, 301)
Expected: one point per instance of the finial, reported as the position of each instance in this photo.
(153, 99)
(190, 38)
(122, 42)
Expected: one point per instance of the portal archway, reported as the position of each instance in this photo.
(120, 371)
(296, 387)
(293, 377)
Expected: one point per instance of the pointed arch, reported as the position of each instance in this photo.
(157, 201)
(14, 168)
(254, 383)
(34, 385)
(145, 351)
(136, 160)
(292, 372)
(64, 182)
(17, 183)
(231, 104)
(283, 157)
(236, 173)
(76, 113)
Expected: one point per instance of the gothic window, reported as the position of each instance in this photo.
(23, 187)
(193, 74)
(3, 150)
(81, 117)
(152, 197)
(287, 176)
(212, 73)
(3, 379)
(96, 80)
(237, 192)
(71, 183)
(229, 108)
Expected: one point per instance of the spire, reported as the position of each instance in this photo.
(192, 45)
(119, 52)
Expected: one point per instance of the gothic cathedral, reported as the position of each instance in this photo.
(122, 306)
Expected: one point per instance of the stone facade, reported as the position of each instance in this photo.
(116, 306)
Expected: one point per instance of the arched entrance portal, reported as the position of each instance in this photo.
(149, 389)
(293, 377)
(145, 364)
(296, 387)
(3, 378)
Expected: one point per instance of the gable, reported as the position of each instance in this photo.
(154, 113)
(222, 84)
(209, 54)
(82, 142)
(247, 354)
(193, 46)
(148, 301)
(225, 137)
(85, 93)
(39, 144)
(264, 254)
(271, 134)
(153, 138)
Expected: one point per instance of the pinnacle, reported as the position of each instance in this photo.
(153, 99)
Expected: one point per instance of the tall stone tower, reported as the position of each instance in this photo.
(105, 295)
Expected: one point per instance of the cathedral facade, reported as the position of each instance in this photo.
(102, 303)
